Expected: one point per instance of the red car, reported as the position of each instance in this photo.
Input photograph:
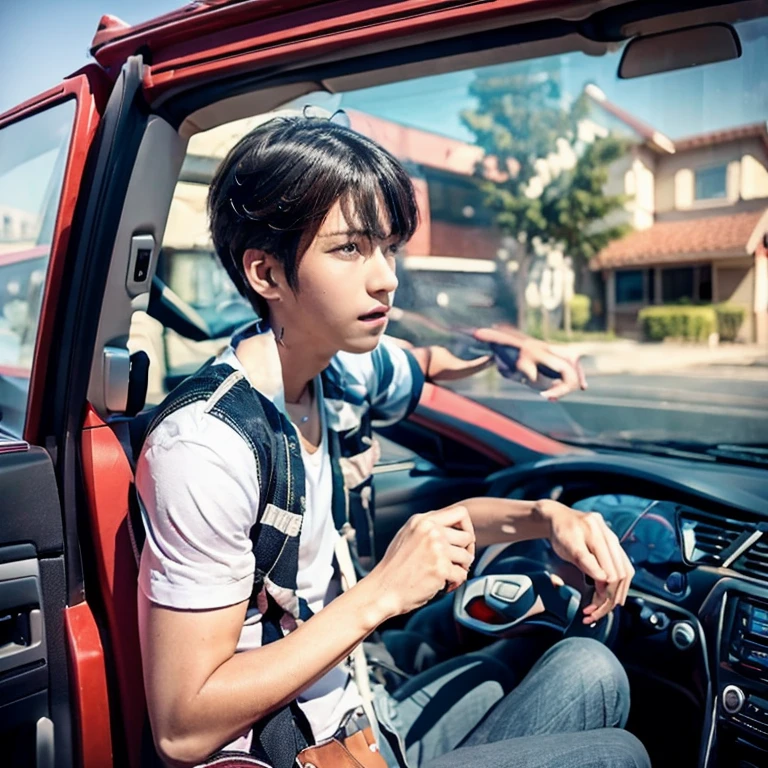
(109, 295)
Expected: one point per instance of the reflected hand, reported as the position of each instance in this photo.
(438, 364)
(534, 353)
(585, 540)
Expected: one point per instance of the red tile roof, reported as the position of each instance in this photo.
(423, 147)
(686, 240)
(756, 130)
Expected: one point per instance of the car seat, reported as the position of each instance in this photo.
(107, 458)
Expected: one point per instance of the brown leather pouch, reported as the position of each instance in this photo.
(345, 752)
(356, 751)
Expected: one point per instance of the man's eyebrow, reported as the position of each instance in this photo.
(348, 232)
(353, 233)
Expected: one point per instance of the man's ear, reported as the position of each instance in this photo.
(264, 274)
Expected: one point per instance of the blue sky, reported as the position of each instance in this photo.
(676, 103)
(41, 41)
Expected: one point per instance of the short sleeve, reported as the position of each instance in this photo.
(391, 376)
(198, 488)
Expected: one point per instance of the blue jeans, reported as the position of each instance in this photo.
(567, 712)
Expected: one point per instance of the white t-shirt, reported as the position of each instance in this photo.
(199, 494)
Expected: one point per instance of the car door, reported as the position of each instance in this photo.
(44, 146)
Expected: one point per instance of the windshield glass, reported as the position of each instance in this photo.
(623, 219)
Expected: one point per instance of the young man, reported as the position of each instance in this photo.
(307, 217)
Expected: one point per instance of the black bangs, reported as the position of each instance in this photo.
(277, 185)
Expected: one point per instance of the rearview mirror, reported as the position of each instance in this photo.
(679, 49)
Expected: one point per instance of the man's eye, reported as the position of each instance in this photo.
(394, 249)
(349, 249)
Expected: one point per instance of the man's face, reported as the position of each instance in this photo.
(345, 285)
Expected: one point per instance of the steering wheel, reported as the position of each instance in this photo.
(494, 604)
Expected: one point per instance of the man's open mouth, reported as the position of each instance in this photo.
(378, 314)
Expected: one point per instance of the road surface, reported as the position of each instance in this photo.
(715, 404)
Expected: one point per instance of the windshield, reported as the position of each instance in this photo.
(623, 220)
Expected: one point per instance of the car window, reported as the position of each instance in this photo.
(33, 156)
(624, 221)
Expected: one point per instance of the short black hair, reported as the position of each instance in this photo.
(278, 183)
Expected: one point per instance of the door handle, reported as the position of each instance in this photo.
(22, 630)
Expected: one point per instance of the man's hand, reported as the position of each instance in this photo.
(584, 539)
(534, 353)
(430, 552)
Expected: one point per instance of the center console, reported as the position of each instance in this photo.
(742, 682)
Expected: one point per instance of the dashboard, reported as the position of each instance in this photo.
(697, 617)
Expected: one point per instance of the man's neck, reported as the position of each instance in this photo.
(300, 366)
(299, 363)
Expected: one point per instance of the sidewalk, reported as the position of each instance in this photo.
(625, 356)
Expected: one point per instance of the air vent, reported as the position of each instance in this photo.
(754, 562)
(706, 538)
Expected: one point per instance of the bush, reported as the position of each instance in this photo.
(686, 323)
(730, 318)
(580, 311)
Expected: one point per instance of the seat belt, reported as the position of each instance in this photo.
(357, 658)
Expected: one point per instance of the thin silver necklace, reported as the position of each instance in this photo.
(307, 391)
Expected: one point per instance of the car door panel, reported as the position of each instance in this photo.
(29, 501)
(33, 658)
(35, 713)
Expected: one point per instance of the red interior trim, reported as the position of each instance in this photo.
(182, 55)
(450, 403)
(107, 478)
(89, 687)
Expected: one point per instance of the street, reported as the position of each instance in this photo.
(713, 404)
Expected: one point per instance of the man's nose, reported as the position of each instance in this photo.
(382, 275)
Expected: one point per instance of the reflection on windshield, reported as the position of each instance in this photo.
(624, 220)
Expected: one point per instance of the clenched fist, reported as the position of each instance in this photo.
(431, 552)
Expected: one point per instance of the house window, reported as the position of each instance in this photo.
(710, 183)
(629, 286)
(705, 283)
(684, 284)
(677, 285)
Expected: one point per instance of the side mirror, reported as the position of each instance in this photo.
(679, 49)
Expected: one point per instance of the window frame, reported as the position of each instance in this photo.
(709, 169)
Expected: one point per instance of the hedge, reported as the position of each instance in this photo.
(580, 311)
(729, 320)
(687, 323)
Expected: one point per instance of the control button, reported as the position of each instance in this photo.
(675, 583)
(141, 269)
(733, 699)
(506, 591)
(683, 635)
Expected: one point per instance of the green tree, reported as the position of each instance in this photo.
(520, 116)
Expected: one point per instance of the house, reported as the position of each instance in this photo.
(699, 213)
(18, 228)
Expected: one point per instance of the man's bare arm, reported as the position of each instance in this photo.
(581, 538)
(201, 694)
